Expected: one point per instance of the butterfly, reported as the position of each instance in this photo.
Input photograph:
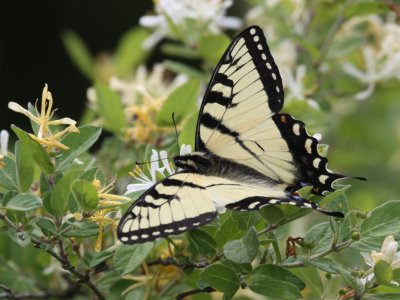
(247, 154)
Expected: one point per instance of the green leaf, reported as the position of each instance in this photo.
(181, 68)
(349, 278)
(228, 231)
(212, 47)
(243, 250)
(201, 242)
(179, 51)
(79, 53)
(60, 194)
(334, 195)
(383, 272)
(272, 214)
(8, 179)
(246, 219)
(128, 257)
(275, 281)
(100, 257)
(324, 264)
(25, 166)
(238, 268)
(221, 278)
(22, 238)
(85, 194)
(82, 229)
(24, 202)
(77, 143)
(7, 197)
(46, 225)
(310, 276)
(188, 132)
(365, 8)
(110, 108)
(130, 53)
(384, 220)
(268, 286)
(181, 102)
(39, 154)
(319, 233)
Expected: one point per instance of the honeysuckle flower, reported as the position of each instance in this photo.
(375, 71)
(4, 135)
(45, 136)
(142, 98)
(388, 253)
(146, 85)
(207, 14)
(104, 214)
(293, 82)
(381, 56)
(156, 170)
(296, 14)
(105, 197)
(100, 217)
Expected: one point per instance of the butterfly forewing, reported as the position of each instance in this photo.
(240, 121)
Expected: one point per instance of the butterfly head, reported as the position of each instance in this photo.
(195, 161)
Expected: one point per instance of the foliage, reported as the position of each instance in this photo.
(60, 200)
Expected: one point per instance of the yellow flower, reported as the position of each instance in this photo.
(100, 216)
(45, 136)
(102, 220)
(142, 98)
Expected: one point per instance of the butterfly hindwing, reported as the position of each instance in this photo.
(176, 204)
(240, 121)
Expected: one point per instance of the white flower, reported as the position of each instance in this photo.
(146, 85)
(205, 14)
(156, 170)
(293, 82)
(388, 253)
(4, 135)
(375, 70)
(382, 55)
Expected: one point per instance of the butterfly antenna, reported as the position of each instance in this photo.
(176, 132)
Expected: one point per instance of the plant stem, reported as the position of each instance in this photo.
(63, 259)
(334, 248)
(192, 292)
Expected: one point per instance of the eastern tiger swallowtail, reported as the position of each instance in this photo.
(247, 154)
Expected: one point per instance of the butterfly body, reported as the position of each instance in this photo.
(247, 154)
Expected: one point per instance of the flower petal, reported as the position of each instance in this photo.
(388, 240)
(154, 165)
(151, 21)
(4, 135)
(18, 108)
(164, 159)
(367, 258)
(185, 149)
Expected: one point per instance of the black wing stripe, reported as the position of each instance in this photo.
(177, 182)
(275, 96)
